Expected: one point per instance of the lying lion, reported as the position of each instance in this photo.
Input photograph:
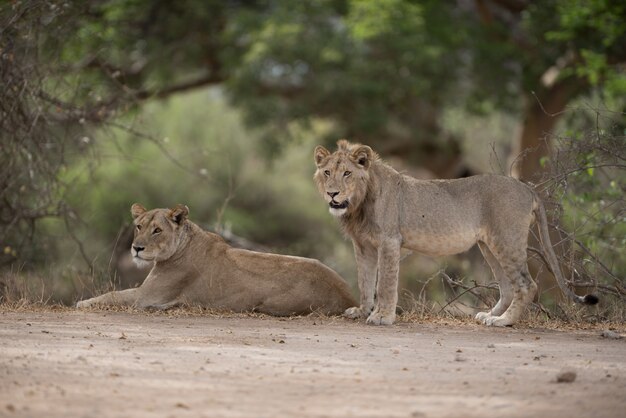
(383, 211)
(195, 267)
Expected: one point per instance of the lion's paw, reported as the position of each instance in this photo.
(482, 317)
(355, 312)
(83, 304)
(498, 321)
(378, 318)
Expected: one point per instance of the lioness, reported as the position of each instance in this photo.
(192, 266)
(382, 210)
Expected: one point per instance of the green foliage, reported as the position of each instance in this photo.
(597, 31)
(381, 71)
(597, 22)
(364, 66)
(590, 184)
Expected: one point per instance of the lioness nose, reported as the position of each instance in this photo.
(137, 249)
(332, 194)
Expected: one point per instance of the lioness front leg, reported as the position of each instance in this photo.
(387, 289)
(366, 266)
(126, 297)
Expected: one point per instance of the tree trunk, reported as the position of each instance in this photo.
(541, 113)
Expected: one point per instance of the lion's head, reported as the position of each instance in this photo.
(342, 177)
(158, 233)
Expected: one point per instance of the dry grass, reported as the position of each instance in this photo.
(532, 320)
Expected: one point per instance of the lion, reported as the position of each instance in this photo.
(195, 267)
(383, 211)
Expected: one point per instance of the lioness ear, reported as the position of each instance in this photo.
(362, 156)
(179, 213)
(320, 153)
(136, 209)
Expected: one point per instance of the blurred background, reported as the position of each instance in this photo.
(219, 104)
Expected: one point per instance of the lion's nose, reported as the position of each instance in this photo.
(332, 194)
(138, 249)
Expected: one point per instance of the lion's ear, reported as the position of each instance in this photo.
(136, 209)
(362, 156)
(179, 213)
(320, 153)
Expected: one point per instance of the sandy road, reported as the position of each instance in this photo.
(116, 364)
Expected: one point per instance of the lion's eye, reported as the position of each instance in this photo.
(138, 227)
(347, 173)
(156, 230)
(327, 173)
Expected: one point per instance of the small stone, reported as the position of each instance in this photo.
(566, 376)
(612, 335)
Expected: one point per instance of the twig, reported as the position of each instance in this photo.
(468, 289)
(543, 309)
(494, 153)
(78, 242)
(593, 256)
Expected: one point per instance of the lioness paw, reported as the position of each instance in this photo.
(83, 304)
(490, 320)
(355, 312)
(482, 317)
(498, 321)
(378, 318)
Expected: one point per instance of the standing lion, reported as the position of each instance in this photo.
(196, 267)
(382, 211)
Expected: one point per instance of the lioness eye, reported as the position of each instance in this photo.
(347, 173)
(156, 230)
(138, 227)
(327, 173)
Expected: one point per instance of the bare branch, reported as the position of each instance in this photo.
(467, 289)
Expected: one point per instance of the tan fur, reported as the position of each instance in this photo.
(382, 211)
(195, 267)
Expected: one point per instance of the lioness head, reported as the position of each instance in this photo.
(342, 176)
(157, 233)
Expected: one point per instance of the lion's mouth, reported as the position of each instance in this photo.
(142, 258)
(335, 205)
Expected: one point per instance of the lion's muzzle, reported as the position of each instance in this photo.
(338, 209)
(335, 205)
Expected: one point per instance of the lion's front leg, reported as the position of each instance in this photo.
(126, 297)
(366, 266)
(387, 287)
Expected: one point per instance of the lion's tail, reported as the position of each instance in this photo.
(542, 223)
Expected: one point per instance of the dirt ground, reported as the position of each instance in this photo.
(113, 364)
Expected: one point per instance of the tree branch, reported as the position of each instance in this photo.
(513, 6)
(208, 80)
(105, 108)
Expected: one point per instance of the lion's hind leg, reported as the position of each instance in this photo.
(506, 290)
(522, 290)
